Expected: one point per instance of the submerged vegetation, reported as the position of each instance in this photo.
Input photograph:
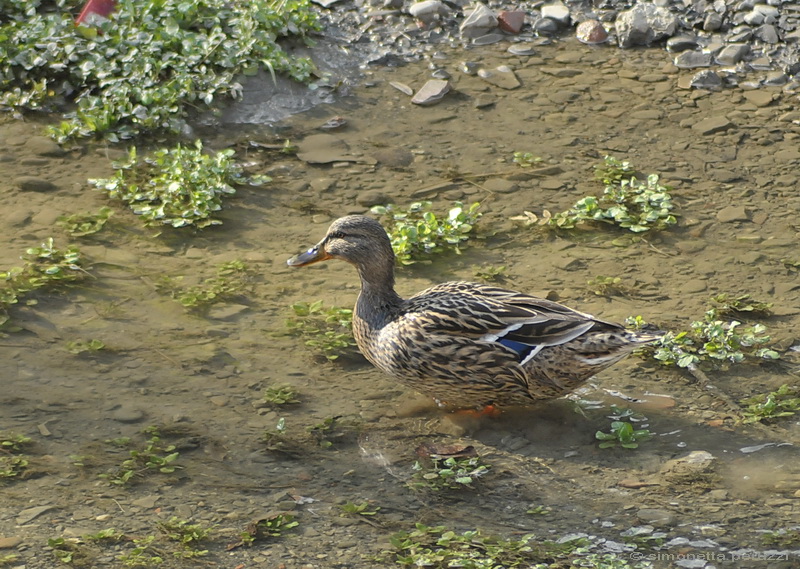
(417, 231)
(177, 186)
(148, 65)
(44, 267)
(783, 402)
(329, 331)
(232, 279)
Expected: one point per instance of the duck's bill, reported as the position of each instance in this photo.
(313, 255)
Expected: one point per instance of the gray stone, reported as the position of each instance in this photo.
(478, 22)
(656, 517)
(29, 514)
(643, 24)
(556, 12)
(488, 39)
(692, 60)
(767, 33)
(43, 146)
(226, 311)
(127, 414)
(34, 184)
(681, 43)
(761, 98)
(428, 10)
(712, 22)
(712, 125)
(371, 198)
(696, 466)
(733, 53)
(502, 77)
(733, 213)
(708, 80)
(545, 25)
(431, 92)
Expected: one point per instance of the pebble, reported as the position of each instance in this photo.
(556, 12)
(431, 92)
(712, 125)
(34, 184)
(226, 311)
(761, 98)
(428, 10)
(127, 414)
(502, 77)
(656, 517)
(521, 49)
(733, 213)
(371, 198)
(29, 514)
(479, 21)
(692, 60)
(694, 467)
(10, 542)
(43, 146)
(591, 32)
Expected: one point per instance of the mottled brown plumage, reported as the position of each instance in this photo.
(467, 344)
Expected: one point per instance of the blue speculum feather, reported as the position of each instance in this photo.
(522, 349)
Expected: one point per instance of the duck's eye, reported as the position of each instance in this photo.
(336, 235)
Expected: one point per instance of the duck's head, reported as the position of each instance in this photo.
(357, 239)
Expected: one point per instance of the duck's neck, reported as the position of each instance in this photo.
(378, 302)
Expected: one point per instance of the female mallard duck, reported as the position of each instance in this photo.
(467, 344)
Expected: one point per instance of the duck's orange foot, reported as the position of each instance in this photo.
(487, 411)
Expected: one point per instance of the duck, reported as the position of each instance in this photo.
(467, 345)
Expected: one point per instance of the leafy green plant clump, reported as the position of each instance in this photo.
(12, 462)
(83, 224)
(627, 202)
(623, 433)
(177, 186)
(417, 231)
(712, 342)
(153, 457)
(783, 402)
(327, 330)
(145, 67)
(44, 267)
(451, 473)
(279, 395)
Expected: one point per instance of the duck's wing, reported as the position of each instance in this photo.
(489, 314)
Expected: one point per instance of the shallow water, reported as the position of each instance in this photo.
(202, 377)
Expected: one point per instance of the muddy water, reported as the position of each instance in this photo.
(201, 378)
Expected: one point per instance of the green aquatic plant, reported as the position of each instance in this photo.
(179, 186)
(627, 202)
(451, 473)
(783, 402)
(328, 330)
(273, 526)
(417, 231)
(143, 553)
(44, 267)
(623, 434)
(490, 273)
(232, 279)
(153, 457)
(84, 346)
(442, 548)
(279, 395)
(363, 508)
(525, 159)
(83, 224)
(742, 305)
(148, 66)
(710, 343)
